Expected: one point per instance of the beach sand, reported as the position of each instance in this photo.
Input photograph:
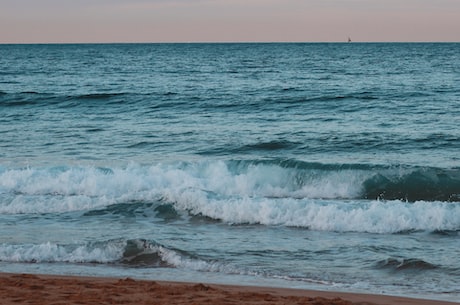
(53, 290)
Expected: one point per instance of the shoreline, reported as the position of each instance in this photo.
(60, 289)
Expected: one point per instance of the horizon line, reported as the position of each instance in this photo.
(221, 42)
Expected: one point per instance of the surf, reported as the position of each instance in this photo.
(329, 197)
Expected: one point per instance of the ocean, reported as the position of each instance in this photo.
(331, 166)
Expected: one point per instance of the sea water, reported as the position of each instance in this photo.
(326, 166)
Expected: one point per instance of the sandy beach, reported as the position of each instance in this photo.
(53, 290)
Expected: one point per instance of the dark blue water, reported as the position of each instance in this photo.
(327, 166)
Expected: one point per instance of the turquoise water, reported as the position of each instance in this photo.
(327, 166)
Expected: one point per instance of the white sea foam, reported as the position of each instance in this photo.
(104, 252)
(47, 190)
(52, 252)
(258, 194)
(327, 215)
(173, 258)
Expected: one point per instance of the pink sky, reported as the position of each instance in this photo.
(36, 21)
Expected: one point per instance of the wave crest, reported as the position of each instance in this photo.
(326, 215)
(130, 253)
(406, 265)
(334, 197)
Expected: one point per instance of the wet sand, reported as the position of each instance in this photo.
(54, 290)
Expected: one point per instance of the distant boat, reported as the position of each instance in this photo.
(349, 39)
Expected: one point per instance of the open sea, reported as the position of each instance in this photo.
(331, 166)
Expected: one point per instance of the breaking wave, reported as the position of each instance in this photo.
(129, 253)
(360, 198)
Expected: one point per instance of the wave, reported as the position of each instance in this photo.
(406, 265)
(33, 98)
(372, 217)
(129, 253)
(414, 184)
(267, 146)
(96, 96)
(97, 252)
(346, 197)
(26, 98)
(145, 253)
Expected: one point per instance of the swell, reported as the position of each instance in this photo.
(405, 265)
(26, 98)
(119, 100)
(429, 184)
(30, 98)
(383, 182)
(267, 146)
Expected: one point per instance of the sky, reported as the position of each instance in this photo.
(105, 21)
